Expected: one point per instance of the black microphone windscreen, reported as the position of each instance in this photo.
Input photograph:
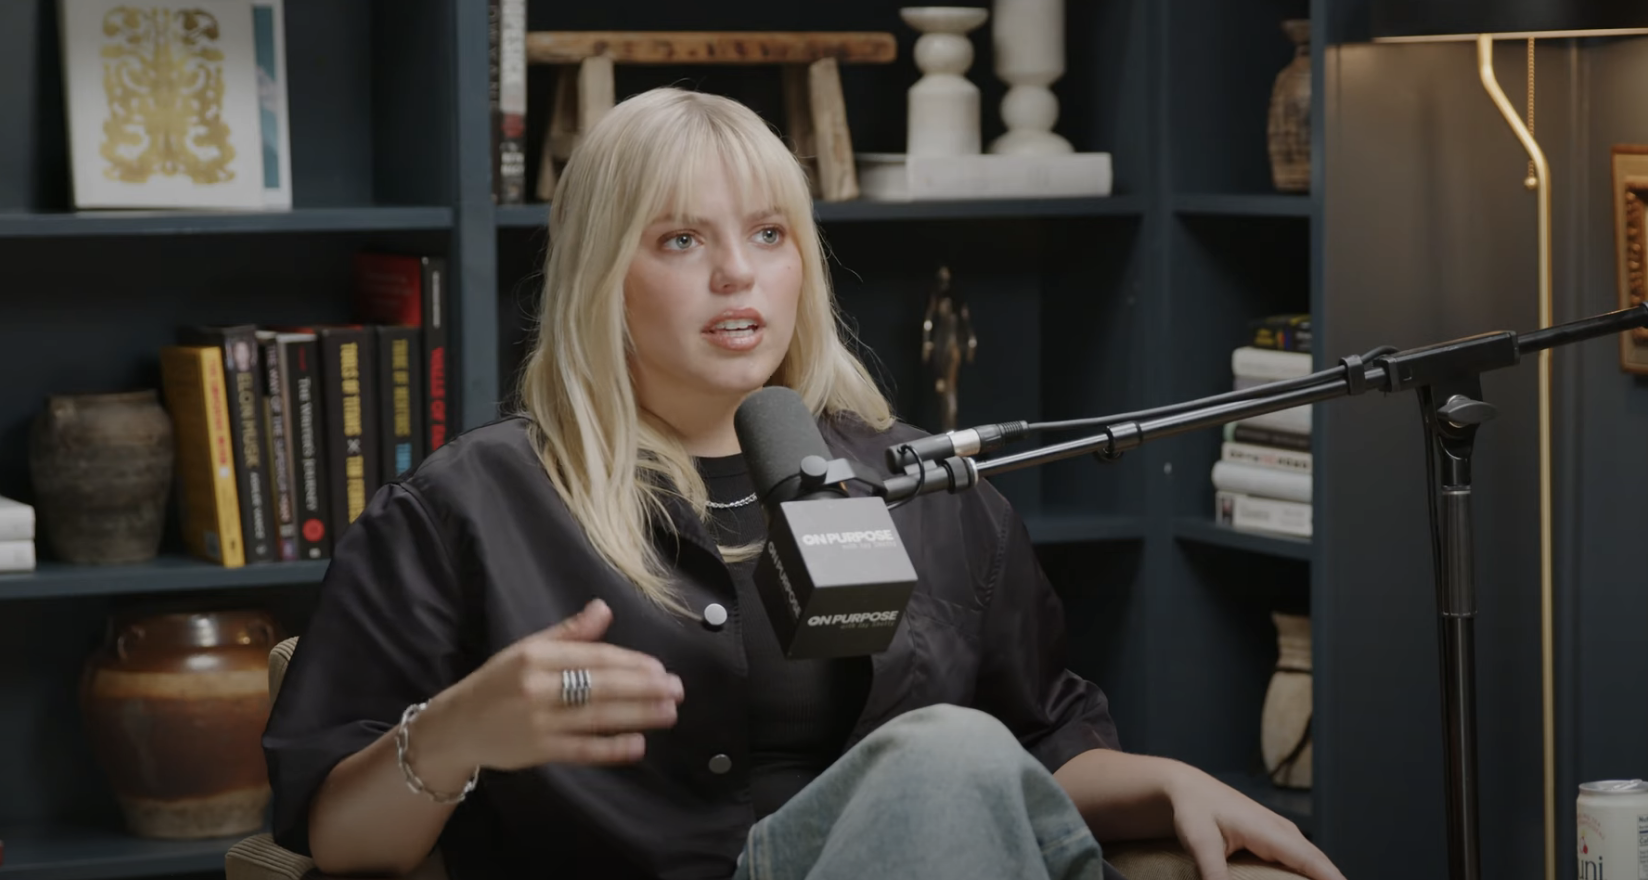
(776, 431)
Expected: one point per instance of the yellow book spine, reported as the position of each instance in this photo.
(192, 379)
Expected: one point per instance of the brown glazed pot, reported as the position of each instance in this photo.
(1289, 124)
(174, 706)
(102, 470)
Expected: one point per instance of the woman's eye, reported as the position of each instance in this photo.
(678, 242)
(770, 235)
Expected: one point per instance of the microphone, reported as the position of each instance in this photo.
(965, 443)
(833, 576)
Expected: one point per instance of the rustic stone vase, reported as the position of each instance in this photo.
(174, 707)
(101, 465)
(1289, 128)
(1284, 736)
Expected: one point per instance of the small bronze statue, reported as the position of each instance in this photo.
(946, 338)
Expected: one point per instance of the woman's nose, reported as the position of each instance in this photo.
(733, 272)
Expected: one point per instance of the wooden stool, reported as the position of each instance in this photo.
(816, 114)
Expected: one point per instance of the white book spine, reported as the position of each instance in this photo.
(1291, 421)
(1249, 514)
(1267, 457)
(16, 556)
(1268, 364)
(1252, 479)
(1294, 421)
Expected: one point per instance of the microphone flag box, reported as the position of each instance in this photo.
(834, 577)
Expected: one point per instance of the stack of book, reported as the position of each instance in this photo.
(283, 433)
(16, 536)
(1262, 480)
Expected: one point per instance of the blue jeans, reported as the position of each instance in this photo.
(941, 792)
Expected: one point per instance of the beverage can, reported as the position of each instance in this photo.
(1613, 830)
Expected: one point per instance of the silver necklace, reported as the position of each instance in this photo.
(731, 504)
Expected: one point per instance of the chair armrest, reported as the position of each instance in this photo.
(259, 858)
(1166, 860)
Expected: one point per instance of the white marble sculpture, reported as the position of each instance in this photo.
(943, 104)
(1029, 53)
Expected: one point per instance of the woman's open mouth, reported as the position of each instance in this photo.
(735, 330)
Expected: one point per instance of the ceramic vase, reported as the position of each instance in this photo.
(1029, 52)
(1285, 719)
(101, 465)
(943, 111)
(1289, 127)
(174, 707)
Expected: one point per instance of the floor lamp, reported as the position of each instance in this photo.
(1484, 21)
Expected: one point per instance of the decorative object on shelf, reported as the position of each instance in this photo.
(101, 466)
(16, 536)
(274, 122)
(1289, 127)
(163, 106)
(1482, 22)
(943, 106)
(1285, 721)
(942, 159)
(895, 177)
(816, 112)
(947, 339)
(1630, 182)
(174, 706)
(1029, 53)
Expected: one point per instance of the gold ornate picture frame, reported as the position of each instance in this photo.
(1630, 182)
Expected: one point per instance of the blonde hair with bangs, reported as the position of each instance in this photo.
(613, 464)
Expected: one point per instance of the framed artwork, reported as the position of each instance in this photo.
(163, 108)
(1630, 182)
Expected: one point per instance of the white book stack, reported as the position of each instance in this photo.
(1262, 480)
(16, 536)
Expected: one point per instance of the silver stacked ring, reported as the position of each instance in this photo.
(575, 684)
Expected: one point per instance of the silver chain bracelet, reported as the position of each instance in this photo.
(403, 745)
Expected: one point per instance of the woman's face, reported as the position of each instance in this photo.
(711, 300)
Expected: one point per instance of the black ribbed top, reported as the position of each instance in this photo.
(801, 711)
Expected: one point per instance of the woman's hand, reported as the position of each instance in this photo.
(508, 714)
(1214, 821)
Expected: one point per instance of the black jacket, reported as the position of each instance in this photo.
(476, 550)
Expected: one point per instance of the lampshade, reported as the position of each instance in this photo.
(1446, 20)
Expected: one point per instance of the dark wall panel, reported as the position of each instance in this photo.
(1430, 235)
(1609, 583)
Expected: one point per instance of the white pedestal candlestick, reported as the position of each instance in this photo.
(1029, 50)
(943, 104)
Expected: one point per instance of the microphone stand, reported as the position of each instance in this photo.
(1447, 377)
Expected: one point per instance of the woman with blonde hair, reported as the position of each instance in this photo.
(543, 651)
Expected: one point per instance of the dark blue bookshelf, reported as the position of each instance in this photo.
(126, 223)
(1206, 531)
(69, 852)
(164, 574)
(537, 215)
(1292, 804)
(1243, 204)
(1073, 527)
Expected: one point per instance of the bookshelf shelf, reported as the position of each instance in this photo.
(1242, 205)
(1056, 526)
(536, 215)
(164, 574)
(110, 223)
(67, 852)
(1293, 805)
(1206, 531)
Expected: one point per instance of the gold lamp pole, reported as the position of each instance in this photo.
(1541, 180)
